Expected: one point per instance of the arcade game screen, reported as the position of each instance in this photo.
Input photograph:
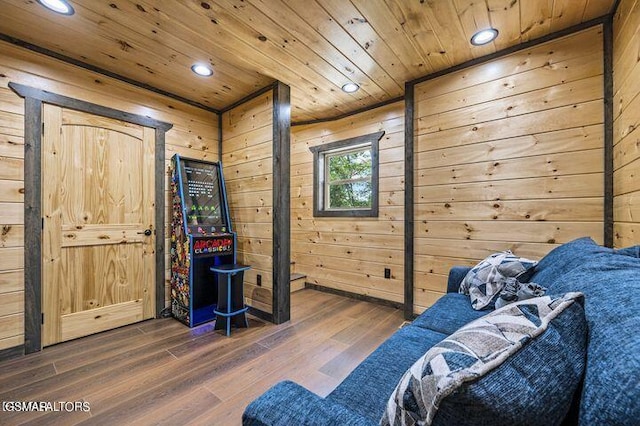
(201, 191)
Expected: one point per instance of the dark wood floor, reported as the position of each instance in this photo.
(161, 372)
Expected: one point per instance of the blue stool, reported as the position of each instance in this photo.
(230, 297)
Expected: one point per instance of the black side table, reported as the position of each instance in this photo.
(230, 297)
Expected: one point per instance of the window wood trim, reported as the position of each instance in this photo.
(318, 150)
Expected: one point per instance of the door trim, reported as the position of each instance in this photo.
(34, 98)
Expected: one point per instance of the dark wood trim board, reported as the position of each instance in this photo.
(32, 225)
(281, 203)
(408, 199)
(34, 98)
(220, 139)
(266, 316)
(160, 179)
(608, 130)
(11, 353)
(356, 296)
(614, 8)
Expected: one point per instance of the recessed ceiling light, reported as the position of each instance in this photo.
(59, 6)
(350, 88)
(484, 36)
(203, 70)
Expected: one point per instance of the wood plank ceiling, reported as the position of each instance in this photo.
(315, 46)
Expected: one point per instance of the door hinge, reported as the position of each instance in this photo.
(43, 128)
(42, 226)
(42, 321)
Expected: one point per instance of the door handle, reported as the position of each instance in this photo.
(146, 232)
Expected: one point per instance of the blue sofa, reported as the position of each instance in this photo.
(610, 391)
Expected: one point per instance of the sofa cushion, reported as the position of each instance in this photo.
(367, 389)
(562, 260)
(484, 281)
(456, 275)
(518, 365)
(610, 280)
(448, 314)
(288, 403)
(630, 251)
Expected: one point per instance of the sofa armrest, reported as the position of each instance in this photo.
(456, 275)
(288, 403)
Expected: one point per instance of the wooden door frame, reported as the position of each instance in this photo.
(33, 130)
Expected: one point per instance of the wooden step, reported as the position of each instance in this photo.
(297, 281)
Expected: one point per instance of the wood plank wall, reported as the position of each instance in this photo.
(247, 147)
(195, 134)
(508, 155)
(350, 254)
(626, 125)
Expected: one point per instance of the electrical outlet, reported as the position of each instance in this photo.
(387, 273)
(259, 280)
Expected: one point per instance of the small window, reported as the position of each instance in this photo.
(345, 175)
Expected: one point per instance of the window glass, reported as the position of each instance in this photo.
(348, 179)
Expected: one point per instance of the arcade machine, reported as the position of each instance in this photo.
(201, 237)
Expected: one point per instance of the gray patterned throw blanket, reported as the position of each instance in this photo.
(514, 291)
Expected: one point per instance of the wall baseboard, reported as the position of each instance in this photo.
(266, 316)
(11, 353)
(357, 296)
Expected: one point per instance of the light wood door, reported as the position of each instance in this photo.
(97, 203)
